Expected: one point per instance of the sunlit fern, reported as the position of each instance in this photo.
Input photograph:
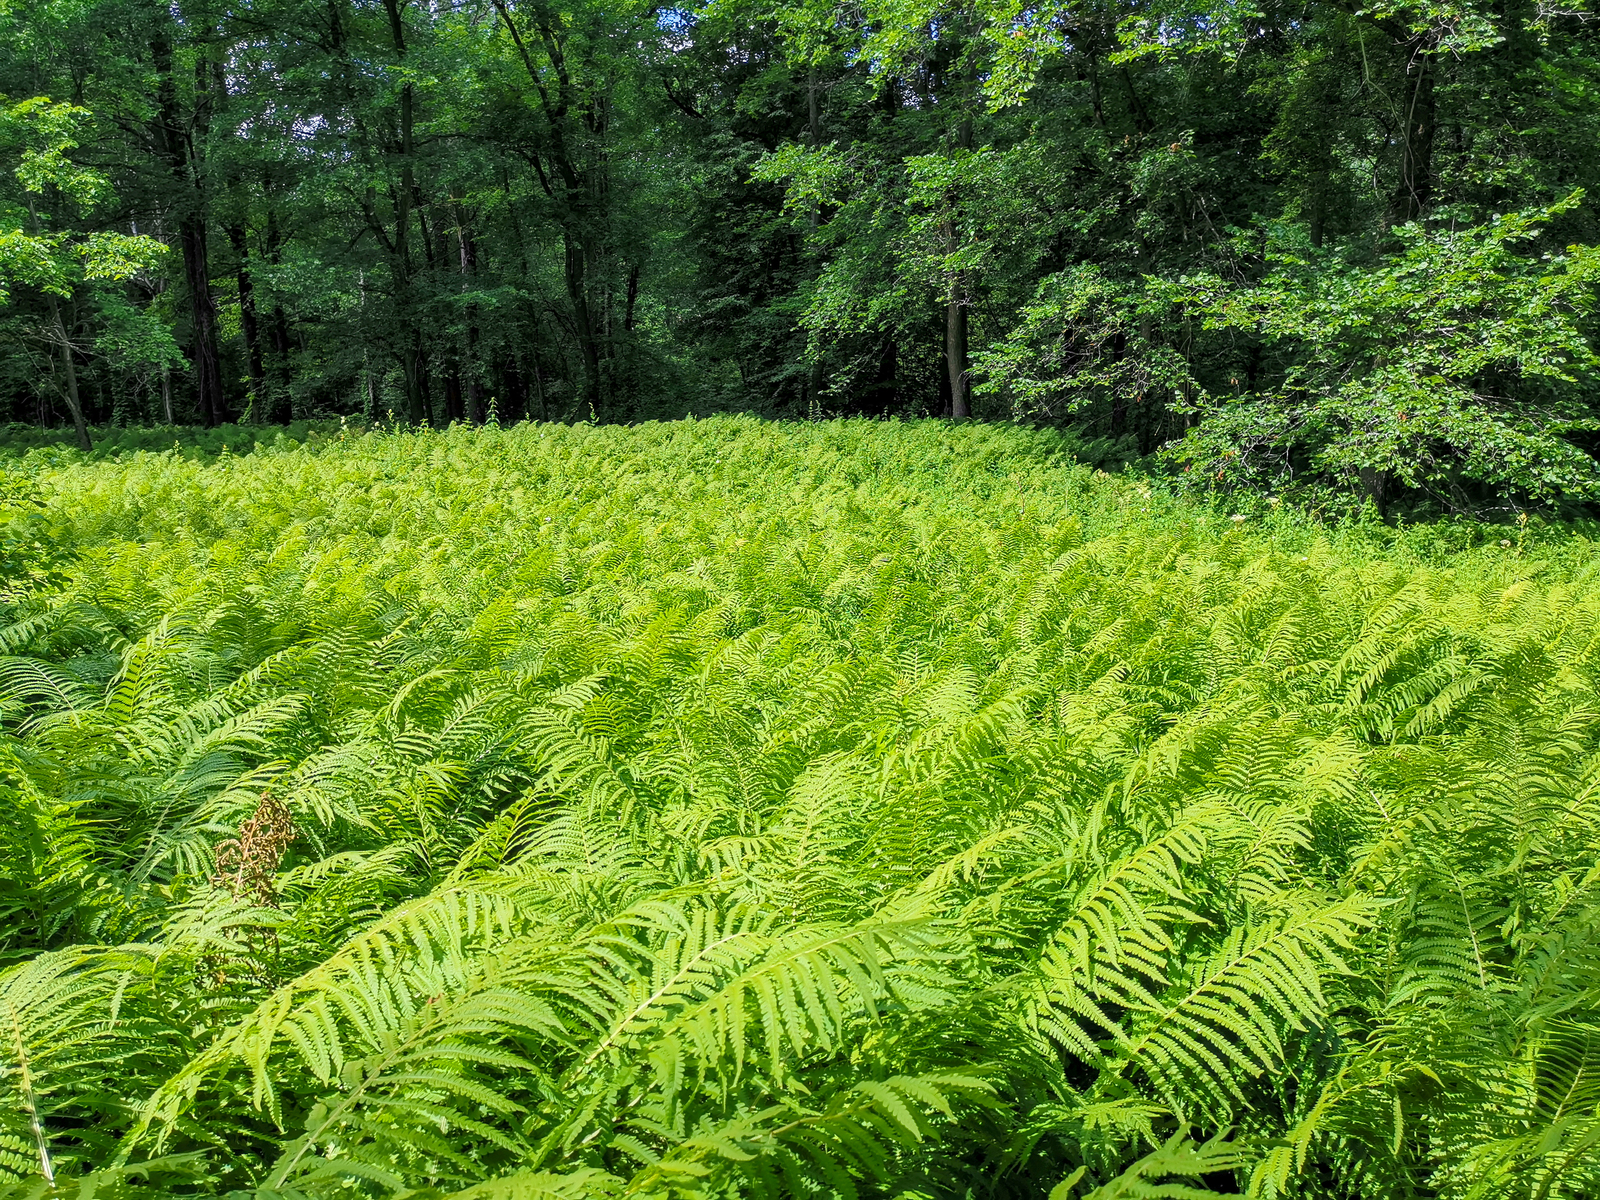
(744, 830)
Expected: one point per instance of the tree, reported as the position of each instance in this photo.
(60, 265)
(1460, 365)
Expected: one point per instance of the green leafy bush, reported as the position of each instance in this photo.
(1458, 370)
(723, 808)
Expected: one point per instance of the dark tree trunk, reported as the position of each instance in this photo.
(1318, 208)
(1413, 192)
(469, 270)
(811, 402)
(884, 396)
(573, 172)
(412, 361)
(633, 299)
(283, 398)
(1118, 422)
(175, 140)
(955, 318)
(577, 262)
(1374, 485)
(512, 402)
(280, 403)
(955, 357)
(538, 384)
(452, 395)
(69, 370)
(260, 399)
(203, 351)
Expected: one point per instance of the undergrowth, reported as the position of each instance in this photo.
(723, 808)
(112, 441)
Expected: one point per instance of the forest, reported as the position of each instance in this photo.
(1323, 251)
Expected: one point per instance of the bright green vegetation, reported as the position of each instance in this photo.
(725, 808)
(112, 441)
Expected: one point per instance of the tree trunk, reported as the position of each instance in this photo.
(1374, 485)
(238, 207)
(474, 399)
(473, 403)
(955, 317)
(884, 396)
(411, 364)
(572, 171)
(260, 403)
(538, 383)
(812, 401)
(203, 352)
(1117, 422)
(411, 354)
(452, 396)
(1318, 207)
(955, 355)
(280, 405)
(175, 141)
(514, 401)
(576, 273)
(70, 372)
(283, 396)
(1413, 193)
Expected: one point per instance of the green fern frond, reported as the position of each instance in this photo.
(1169, 1172)
(1228, 1025)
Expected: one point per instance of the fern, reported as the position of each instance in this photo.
(741, 830)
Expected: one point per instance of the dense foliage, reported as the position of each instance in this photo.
(721, 808)
(1337, 252)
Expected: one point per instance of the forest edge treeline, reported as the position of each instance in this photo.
(1319, 251)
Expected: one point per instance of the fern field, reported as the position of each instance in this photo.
(725, 809)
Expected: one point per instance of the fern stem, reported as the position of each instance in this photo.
(45, 1169)
(621, 1027)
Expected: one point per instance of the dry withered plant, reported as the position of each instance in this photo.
(247, 864)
